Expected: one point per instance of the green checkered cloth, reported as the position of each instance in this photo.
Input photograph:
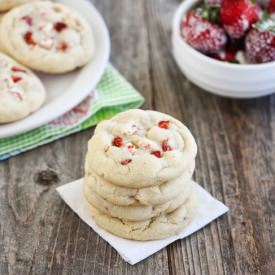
(113, 95)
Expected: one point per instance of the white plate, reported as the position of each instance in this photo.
(64, 92)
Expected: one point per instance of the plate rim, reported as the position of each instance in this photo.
(19, 127)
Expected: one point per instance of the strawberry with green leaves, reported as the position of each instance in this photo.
(260, 42)
(201, 31)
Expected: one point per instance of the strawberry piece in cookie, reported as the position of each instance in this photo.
(118, 142)
(60, 26)
(164, 124)
(29, 38)
(126, 161)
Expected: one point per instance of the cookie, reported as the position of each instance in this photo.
(21, 92)
(154, 195)
(138, 149)
(161, 227)
(9, 4)
(135, 212)
(47, 37)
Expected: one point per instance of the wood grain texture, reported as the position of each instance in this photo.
(39, 234)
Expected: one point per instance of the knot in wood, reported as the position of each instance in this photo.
(46, 177)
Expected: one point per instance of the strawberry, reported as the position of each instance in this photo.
(16, 79)
(165, 146)
(63, 46)
(60, 26)
(164, 124)
(126, 161)
(29, 39)
(271, 6)
(227, 55)
(237, 16)
(28, 20)
(18, 69)
(118, 141)
(260, 42)
(201, 34)
(157, 154)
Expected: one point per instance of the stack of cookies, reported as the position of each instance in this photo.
(138, 175)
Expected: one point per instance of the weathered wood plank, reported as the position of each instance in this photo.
(236, 163)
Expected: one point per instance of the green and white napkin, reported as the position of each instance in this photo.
(113, 95)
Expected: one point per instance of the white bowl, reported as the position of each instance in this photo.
(222, 78)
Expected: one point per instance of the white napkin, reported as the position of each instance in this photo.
(135, 251)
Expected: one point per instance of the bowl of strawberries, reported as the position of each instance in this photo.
(227, 47)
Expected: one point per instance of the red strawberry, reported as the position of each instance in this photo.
(164, 124)
(118, 141)
(228, 55)
(16, 79)
(271, 6)
(157, 154)
(201, 34)
(60, 26)
(126, 161)
(18, 69)
(260, 42)
(29, 39)
(165, 146)
(237, 16)
(27, 19)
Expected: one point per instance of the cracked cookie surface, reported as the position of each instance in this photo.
(153, 195)
(47, 37)
(21, 92)
(9, 4)
(161, 227)
(139, 149)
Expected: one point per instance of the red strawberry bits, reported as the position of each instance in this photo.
(28, 20)
(202, 35)
(16, 79)
(157, 154)
(126, 161)
(164, 124)
(117, 141)
(165, 146)
(29, 39)
(18, 69)
(60, 26)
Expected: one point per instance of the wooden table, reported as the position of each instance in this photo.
(236, 163)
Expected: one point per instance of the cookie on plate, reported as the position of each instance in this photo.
(156, 228)
(47, 37)
(153, 195)
(138, 149)
(9, 4)
(21, 92)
